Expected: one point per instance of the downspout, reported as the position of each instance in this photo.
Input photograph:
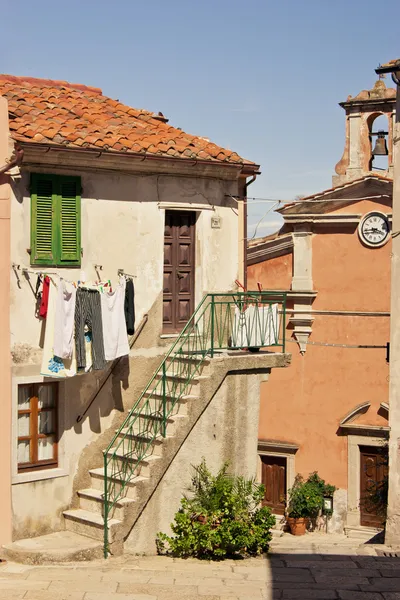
(15, 160)
(246, 185)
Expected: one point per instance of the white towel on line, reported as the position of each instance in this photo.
(256, 326)
(114, 325)
(64, 320)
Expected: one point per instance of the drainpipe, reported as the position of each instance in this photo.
(246, 185)
(15, 160)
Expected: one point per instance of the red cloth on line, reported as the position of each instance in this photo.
(45, 297)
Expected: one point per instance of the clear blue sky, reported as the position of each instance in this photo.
(260, 77)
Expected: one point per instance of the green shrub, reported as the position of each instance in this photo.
(220, 518)
(306, 497)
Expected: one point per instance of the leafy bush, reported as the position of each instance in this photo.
(221, 518)
(306, 497)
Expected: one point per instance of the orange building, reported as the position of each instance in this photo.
(329, 411)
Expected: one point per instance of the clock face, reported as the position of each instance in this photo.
(374, 229)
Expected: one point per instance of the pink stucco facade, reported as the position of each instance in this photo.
(305, 404)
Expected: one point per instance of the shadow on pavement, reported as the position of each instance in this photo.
(332, 576)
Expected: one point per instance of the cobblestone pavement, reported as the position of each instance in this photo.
(300, 573)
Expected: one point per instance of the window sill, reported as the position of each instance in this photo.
(39, 475)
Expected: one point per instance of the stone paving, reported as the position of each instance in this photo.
(299, 572)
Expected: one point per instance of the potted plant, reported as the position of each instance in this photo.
(304, 502)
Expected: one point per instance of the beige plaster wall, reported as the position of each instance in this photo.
(122, 227)
(5, 421)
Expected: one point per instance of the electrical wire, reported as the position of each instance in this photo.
(262, 218)
(358, 346)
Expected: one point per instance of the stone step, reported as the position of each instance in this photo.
(85, 522)
(181, 377)
(146, 423)
(364, 534)
(93, 501)
(141, 467)
(131, 490)
(59, 547)
(150, 445)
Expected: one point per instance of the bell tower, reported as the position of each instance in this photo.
(365, 143)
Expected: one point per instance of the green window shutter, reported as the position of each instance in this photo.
(43, 200)
(69, 238)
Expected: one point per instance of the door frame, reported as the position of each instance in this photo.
(354, 472)
(282, 450)
(165, 331)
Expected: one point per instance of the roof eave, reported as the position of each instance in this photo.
(388, 68)
(56, 156)
(243, 168)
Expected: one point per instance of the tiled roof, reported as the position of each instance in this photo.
(78, 116)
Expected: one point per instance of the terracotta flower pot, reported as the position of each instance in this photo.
(297, 526)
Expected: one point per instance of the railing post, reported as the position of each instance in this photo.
(164, 402)
(105, 507)
(212, 325)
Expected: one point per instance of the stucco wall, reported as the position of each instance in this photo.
(122, 227)
(274, 274)
(226, 431)
(304, 404)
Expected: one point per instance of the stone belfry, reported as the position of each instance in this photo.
(361, 113)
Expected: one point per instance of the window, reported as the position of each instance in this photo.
(37, 426)
(55, 220)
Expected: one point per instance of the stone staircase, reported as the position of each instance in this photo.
(202, 392)
(88, 518)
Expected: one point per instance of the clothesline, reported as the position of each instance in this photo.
(25, 271)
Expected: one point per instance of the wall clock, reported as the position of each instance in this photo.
(374, 229)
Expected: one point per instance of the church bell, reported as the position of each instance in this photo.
(380, 145)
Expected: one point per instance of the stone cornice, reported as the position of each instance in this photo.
(342, 219)
(270, 249)
(277, 446)
(38, 156)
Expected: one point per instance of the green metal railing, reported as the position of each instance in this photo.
(230, 321)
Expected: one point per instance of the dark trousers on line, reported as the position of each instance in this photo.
(88, 312)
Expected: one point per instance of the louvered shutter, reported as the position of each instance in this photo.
(43, 200)
(69, 219)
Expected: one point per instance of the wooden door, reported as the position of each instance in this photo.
(274, 480)
(179, 255)
(373, 471)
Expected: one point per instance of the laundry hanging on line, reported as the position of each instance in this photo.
(86, 326)
(114, 323)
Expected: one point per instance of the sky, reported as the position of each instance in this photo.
(260, 77)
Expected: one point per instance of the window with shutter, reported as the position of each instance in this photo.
(42, 227)
(70, 208)
(55, 220)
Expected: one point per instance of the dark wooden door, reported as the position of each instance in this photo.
(274, 480)
(373, 472)
(179, 255)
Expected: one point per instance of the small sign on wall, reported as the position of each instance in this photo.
(216, 222)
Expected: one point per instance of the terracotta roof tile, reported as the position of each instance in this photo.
(74, 115)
